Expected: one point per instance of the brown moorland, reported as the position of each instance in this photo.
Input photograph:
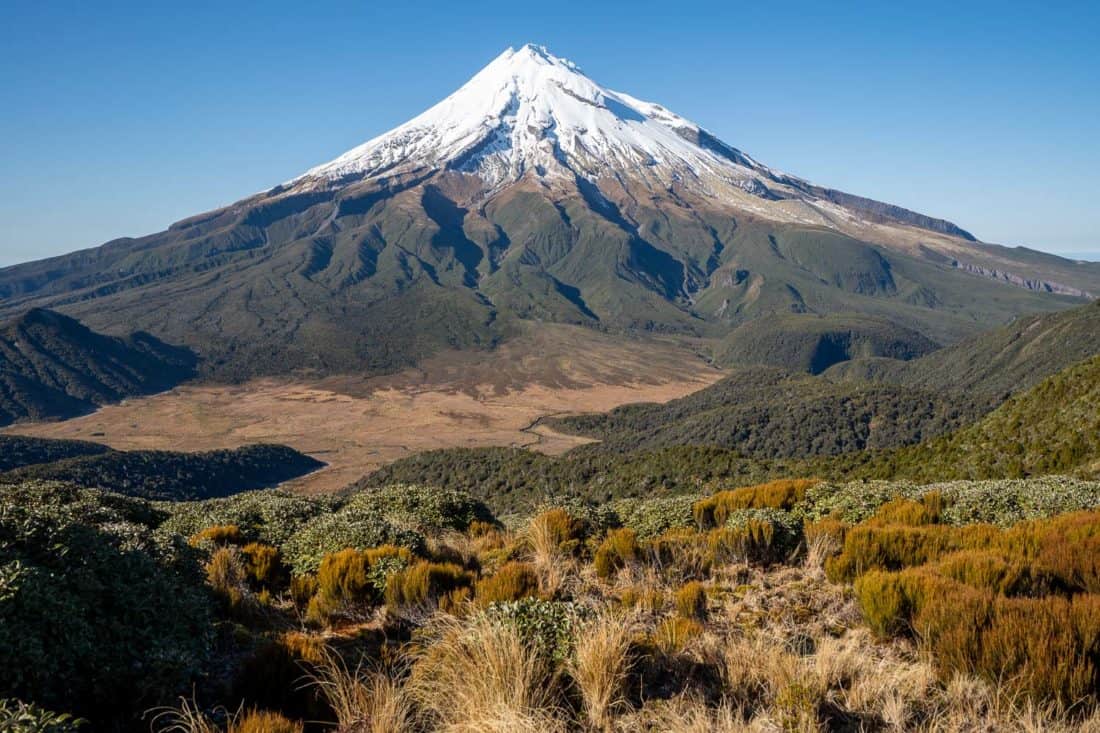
(460, 399)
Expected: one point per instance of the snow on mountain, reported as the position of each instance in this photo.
(530, 112)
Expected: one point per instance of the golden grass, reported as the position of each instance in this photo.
(362, 700)
(481, 676)
(600, 667)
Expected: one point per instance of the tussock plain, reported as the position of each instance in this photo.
(356, 424)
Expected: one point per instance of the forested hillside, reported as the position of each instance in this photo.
(172, 475)
(766, 413)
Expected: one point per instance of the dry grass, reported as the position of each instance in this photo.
(600, 668)
(480, 675)
(362, 700)
(453, 400)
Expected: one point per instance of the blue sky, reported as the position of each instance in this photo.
(120, 118)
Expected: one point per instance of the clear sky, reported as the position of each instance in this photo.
(118, 118)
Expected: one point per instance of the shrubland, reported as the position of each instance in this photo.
(795, 604)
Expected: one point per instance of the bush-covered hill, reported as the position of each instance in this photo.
(999, 362)
(17, 451)
(813, 343)
(52, 367)
(175, 476)
(1054, 427)
(766, 413)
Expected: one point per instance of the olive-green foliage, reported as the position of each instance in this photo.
(98, 616)
(512, 582)
(17, 451)
(513, 480)
(1002, 501)
(305, 529)
(360, 527)
(652, 517)
(549, 626)
(271, 516)
(768, 413)
(618, 549)
(1054, 427)
(20, 717)
(423, 508)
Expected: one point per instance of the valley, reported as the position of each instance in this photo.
(357, 424)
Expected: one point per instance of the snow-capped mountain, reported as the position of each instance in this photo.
(533, 194)
(532, 113)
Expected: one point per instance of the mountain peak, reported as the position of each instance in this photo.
(531, 113)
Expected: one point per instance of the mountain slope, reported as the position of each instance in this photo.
(1005, 360)
(51, 366)
(766, 413)
(1053, 427)
(534, 193)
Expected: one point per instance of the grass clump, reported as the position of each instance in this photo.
(618, 549)
(428, 583)
(691, 601)
(512, 582)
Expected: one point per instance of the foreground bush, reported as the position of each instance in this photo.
(97, 616)
(784, 494)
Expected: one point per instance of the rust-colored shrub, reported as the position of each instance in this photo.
(713, 511)
(682, 552)
(691, 601)
(218, 535)
(908, 512)
(426, 583)
(556, 531)
(673, 634)
(264, 565)
(302, 589)
(225, 574)
(264, 721)
(618, 549)
(895, 547)
(513, 581)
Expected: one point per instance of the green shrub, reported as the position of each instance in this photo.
(20, 717)
(270, 516)
(98, 615)
(549, 626)
(426, 509)
(359, 527)
(650, 518)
